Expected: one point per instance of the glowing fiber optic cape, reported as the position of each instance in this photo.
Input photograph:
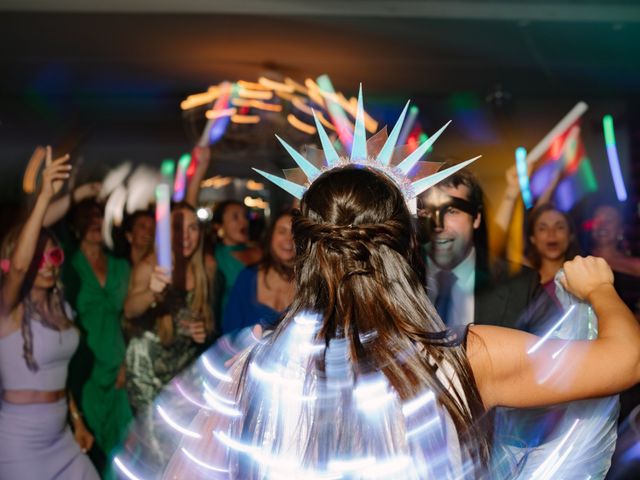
(583, 436)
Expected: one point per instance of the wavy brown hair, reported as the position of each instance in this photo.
(356, 266)
(52, 313)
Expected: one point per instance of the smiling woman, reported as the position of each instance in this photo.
(262, 292)
(37, 339)
(551, 241)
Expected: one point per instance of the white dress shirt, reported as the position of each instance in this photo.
(462, 307)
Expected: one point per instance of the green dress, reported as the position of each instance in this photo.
(95, 368)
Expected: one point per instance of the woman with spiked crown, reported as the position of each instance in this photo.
(361, 379)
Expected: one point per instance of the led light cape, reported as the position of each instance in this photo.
(410, 174)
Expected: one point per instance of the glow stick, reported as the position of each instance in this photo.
(179, 186)
(337, 114)
(408, 125)
(614, 161)
(167, 170)
(163, 226)
(543, 145)
(31, 172)
(215, 127)
(523, 178)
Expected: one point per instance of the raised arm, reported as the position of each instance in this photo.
(59, 207)
(53, 177)
(203, 156)
(516, 369)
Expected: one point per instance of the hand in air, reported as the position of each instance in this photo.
(87, 190)
(584, 275)
(159, 280)
(55, 173)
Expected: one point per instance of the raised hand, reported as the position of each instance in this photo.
(87, 190)
(159, 280)
(583, 275)
(55, 173)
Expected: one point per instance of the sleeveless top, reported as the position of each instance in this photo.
(52, 350)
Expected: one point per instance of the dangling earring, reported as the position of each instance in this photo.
(220, 232)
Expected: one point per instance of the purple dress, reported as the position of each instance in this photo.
(35, 439)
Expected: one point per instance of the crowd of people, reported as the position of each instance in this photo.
(89, 337)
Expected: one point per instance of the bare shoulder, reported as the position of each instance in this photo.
(144, 268)
(210, 264)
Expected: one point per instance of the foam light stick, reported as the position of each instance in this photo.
(180, 183)
(523, 177)
(167, 170)
(337, 114)
(163, 225)
(569, 119)
(407, 127)
(31, 172)
(215, 127)
(614, 161)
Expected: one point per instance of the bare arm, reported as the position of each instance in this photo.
(82, 435)
(193, 189)
(53, 176)
(59, 207)
(551, 188)
(516, 369)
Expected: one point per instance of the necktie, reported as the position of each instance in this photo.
(446, 279)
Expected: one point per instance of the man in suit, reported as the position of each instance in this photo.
(462, 284)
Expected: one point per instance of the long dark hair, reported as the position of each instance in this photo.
(53, 314)
(356, 253)
(531, 252)
(269, 260)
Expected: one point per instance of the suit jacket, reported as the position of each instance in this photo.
(512, 300)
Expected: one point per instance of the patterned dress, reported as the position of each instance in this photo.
(151, 364)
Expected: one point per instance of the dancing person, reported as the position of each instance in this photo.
(462, 282)
(232, 252)
(97, 284)
(139, 229)
(361, 349)
(551, 241)
(169, 316)
(607, 234)
(37, 340)
(262, 292)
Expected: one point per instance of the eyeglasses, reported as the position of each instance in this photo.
(53, 256)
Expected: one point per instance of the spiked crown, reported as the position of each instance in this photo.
(410, 174)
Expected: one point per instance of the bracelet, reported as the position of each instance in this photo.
(76, 415)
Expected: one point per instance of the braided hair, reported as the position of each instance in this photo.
(358, 267)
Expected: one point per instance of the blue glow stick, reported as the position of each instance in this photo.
(614, 161)
(523, 178)
(163, 225)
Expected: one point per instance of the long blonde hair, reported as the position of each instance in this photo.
(200, 304)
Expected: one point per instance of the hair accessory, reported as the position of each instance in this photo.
(5, 265)
(410, 174)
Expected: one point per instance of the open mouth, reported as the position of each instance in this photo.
(440, 242)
